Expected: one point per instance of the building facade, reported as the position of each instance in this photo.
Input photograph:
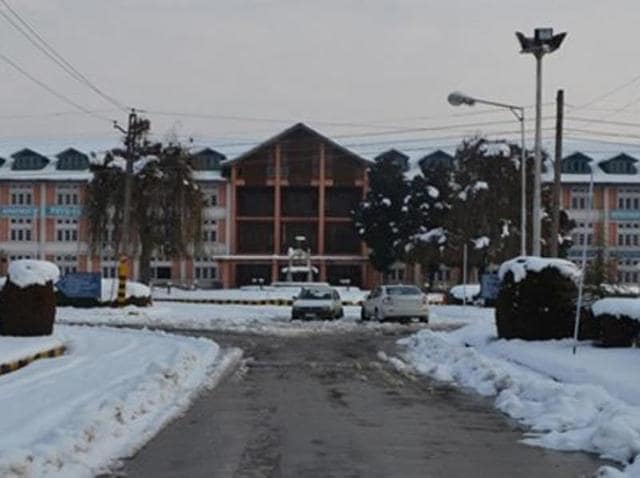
(41, 217)
(612, 227)
(294, 190)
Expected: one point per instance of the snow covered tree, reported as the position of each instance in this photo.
(166, 205)
(381, 220)
(428, 207)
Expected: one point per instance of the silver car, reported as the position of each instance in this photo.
(397, 302)
(317, 302)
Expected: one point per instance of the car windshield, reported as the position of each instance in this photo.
(316, 294)
(406, 290)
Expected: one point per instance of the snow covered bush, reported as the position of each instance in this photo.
(27, 300)
(619, 320)
(537, 299)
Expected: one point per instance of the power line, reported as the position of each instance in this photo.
(608, 93)
(30, 33)
(46, 87)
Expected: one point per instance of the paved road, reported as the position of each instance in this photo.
(325, 406)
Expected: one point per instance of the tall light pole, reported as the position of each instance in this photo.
(456, 99)
(543, 42)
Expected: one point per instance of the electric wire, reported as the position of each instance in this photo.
(30, 33)
(53, 92)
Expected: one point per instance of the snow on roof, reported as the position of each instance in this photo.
(523, 264)
(617, 307)
(26, 272)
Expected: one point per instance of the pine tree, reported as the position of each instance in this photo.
(380, 220)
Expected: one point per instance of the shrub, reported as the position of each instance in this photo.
(27, 311)
(537, 299)
(619, 320)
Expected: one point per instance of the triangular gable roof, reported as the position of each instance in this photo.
(437, 155)
(620, 157)
(71, 151)
(28, 152)
(578, 156)
(207, 151)
(288, 131)
(391, 152)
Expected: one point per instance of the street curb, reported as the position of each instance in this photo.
(9, 367)
(282, 302)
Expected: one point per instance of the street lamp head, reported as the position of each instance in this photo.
(457, 98)
(542, 42)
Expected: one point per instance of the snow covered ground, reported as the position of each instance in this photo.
(263, 319)
(111, 392)
(16, 348)
(352, 294)
(589, 401)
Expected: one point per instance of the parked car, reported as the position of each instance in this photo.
(399, 302)
(317, 302)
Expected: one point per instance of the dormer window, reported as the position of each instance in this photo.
(28, 160)
(576, 163)
(72, 160)
(621, 164)
(207, 160)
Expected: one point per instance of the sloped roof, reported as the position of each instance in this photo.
(283, 134)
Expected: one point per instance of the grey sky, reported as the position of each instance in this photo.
(387, 62)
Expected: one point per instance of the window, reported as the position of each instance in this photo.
(66, 230)
(21, 230)
(20, 257)
(67, 264)
(109, 266)
(629, 198)
(209, 230)
(210, 194)
(629, 234)
(21, 195)
(582, 233)
(579, 198)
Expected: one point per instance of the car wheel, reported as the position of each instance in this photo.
(340, 313)
(363, 314)
(379, 316)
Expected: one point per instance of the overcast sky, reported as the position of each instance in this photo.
(376, 63)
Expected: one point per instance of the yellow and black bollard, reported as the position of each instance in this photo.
(123, 273)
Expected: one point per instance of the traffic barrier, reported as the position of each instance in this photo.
(281, 302)
(17, 364)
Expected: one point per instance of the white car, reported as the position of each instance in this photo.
(317, 302)
(399, 302)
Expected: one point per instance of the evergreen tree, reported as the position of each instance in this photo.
(429, 205)
(381, 220)
(166, 205)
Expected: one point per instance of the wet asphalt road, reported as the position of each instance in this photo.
(326, 406)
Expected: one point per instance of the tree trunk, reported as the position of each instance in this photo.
(145, 263)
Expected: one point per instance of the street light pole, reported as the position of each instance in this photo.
(542, 42)
(456, 99)
(537, 174)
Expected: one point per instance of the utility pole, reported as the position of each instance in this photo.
(124, 246)
(131, 134)
(557, 171)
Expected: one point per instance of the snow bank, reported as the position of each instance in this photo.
(113, 391)
(264, 320)
(570, 402)
(470, 290)
(618, 306)
(521, 265)
(134, 289)
(13, 349)
(255, 293)
(26, 272)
